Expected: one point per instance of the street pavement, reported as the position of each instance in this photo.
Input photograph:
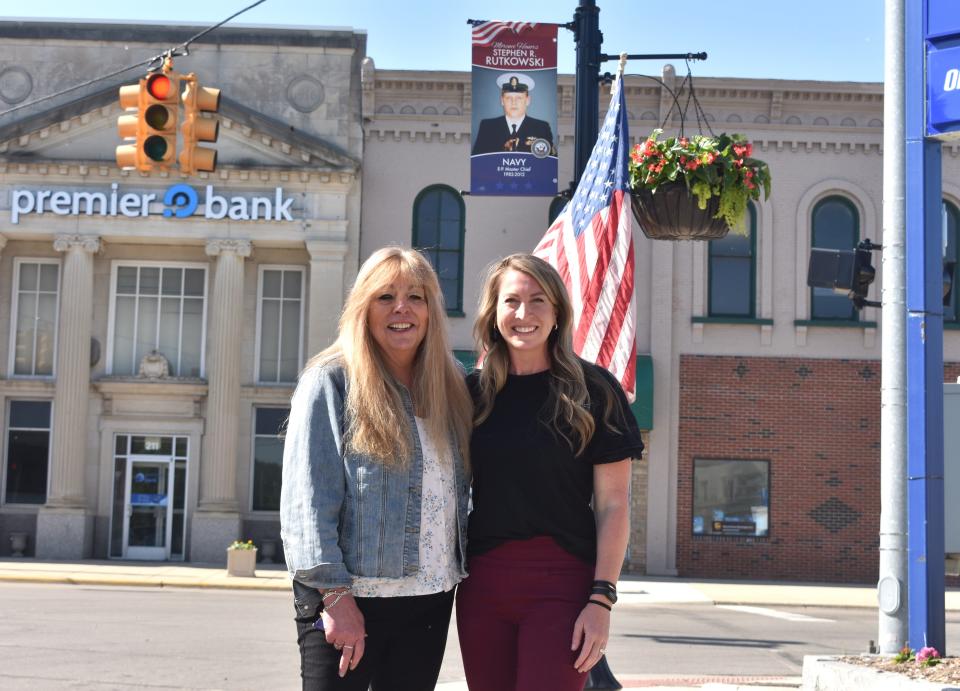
(651, 592)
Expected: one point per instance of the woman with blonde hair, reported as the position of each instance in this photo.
(373, 505)
(550, 452)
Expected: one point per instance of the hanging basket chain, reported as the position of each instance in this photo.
(698, 109)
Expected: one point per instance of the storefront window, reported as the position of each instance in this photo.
(28, 452)
(731, 497)
(159, 308)
(281, 335)
(268, 457)
(35, 316)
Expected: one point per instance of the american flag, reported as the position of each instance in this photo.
(485, 33)
(591, 245)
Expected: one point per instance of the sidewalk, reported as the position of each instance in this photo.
(633, 591)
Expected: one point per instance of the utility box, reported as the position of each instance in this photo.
(951, 467)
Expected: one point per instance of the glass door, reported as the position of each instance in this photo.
(148, 524)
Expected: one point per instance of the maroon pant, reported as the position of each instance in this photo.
(515, 617)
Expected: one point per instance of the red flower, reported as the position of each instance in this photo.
(709, 157)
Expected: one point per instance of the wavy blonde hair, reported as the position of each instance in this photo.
(570, 415)
(374, 406)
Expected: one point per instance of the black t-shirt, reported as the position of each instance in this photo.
(526, 480)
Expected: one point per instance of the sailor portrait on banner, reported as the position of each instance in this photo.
(514, 130)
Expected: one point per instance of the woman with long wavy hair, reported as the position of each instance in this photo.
(550, 452)
(373, 505)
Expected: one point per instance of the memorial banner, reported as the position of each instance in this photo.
(514, 116)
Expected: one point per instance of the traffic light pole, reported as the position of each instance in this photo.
(589, 40)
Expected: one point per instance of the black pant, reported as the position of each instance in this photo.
(406, 637)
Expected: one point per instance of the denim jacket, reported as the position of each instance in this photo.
(343, 514)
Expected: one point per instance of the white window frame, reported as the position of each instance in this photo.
(256, 354)
(6, 446)
(253, 455)
(14, 307)
(114, 267)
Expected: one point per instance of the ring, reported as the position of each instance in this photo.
(348, 647)
(603, 650)
(338, 646)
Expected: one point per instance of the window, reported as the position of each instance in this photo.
(158, 308)
(268, 457)
(951, 224)
(732, 271)
(280, 316)
(34, 313)
(438, 218)
(836, 225)
(28, 452)
(731, 497)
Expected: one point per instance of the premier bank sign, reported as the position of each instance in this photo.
(177, 201)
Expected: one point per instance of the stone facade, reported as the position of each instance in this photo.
(291, 137)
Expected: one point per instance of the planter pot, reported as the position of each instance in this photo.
(241, 562)
(268, 549)
(18, 543)
(671, 213)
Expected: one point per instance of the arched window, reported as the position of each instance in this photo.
(951, 225)
(731, 272)
(438, 225)
(556, 206)
(836, 226)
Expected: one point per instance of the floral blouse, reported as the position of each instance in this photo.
(438, 533)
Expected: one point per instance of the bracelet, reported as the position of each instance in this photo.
(605, 584)
(601, 604)
(339, 594)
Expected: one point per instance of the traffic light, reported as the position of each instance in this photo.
(153, 126)
(196, 128)
(847, 272)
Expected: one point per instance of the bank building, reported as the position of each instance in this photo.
(152, 326)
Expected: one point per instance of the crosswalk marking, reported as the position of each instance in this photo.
(776, 614)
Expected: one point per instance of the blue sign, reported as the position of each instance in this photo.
(141, 499)
(942, 43)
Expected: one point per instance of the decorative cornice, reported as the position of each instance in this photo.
(85, 243)
(241, 248)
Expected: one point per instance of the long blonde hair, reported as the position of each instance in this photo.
(374, 406)
(568, 386)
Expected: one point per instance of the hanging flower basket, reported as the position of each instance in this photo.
(695, 188)
(672, 213)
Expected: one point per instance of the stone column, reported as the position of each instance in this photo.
(217, 521)
(64, 527)
(326, 292)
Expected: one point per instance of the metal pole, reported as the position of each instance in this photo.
(587, 118)
(892, 582)
(924, 297)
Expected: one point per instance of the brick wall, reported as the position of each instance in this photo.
(818, 424)
(636, 559)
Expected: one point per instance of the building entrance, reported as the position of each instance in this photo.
(148, 502)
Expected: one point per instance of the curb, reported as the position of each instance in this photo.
(830, 674)
(217, 583)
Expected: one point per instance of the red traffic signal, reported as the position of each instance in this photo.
(153, 127)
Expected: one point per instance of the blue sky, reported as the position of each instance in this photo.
(833, 40)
